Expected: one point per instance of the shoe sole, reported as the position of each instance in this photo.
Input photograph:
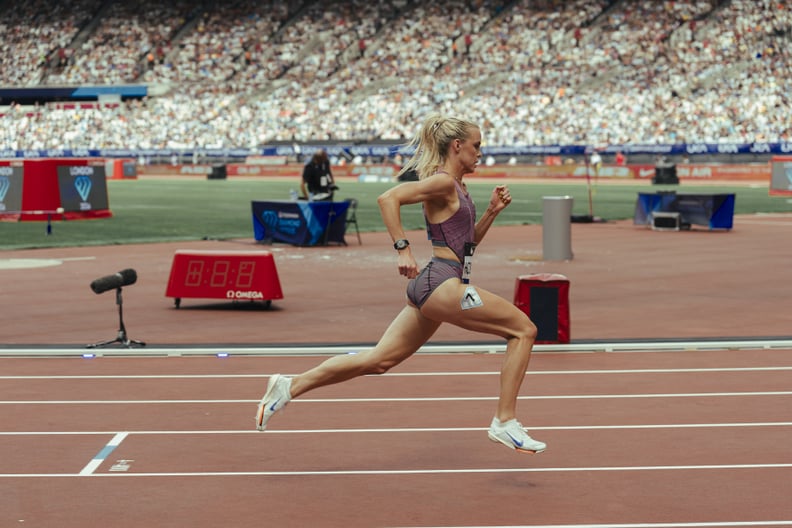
(514, 447)
(260, 413)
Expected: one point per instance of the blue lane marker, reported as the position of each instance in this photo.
(103, 454)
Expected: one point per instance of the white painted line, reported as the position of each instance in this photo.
(532, 428)
(407, 374)
(602, 469)
(407, 429)
(410, 399)
(556, 397)
(724, 524)
(288, 351)
(103, 454)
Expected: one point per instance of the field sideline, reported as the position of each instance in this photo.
(155, 209)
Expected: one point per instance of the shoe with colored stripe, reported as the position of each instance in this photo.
(277, 396)
(512, 434)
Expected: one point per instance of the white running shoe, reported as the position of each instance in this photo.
(513, 435)
(277, 396)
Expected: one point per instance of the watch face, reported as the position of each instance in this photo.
(401, 244)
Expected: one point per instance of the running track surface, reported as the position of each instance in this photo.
(639, 438)
(636, 439)
(626, 282)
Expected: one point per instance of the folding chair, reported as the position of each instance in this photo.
(352, 217)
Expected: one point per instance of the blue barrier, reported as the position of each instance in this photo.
(688, 149)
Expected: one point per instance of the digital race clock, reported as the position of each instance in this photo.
(230, 275)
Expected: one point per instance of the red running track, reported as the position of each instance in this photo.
(685, 438)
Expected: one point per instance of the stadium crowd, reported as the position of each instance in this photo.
(533, 72)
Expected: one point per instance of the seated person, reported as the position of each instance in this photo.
(317, 179)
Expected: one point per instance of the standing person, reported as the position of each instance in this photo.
(596, 163)
(317, 179)
(446, 149)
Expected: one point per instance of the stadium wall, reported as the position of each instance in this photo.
(759, 172)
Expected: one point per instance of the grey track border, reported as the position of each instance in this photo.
(320, 350)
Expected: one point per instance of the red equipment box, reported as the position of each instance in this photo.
(544, 297)
(231, 275)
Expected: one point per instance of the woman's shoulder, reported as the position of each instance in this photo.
(439, 185)
(441, 179)
(440, 189)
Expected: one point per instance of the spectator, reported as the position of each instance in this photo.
(596, 163)
(645, 75)
(317, 178)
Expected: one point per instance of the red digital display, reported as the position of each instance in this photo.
(234, 275)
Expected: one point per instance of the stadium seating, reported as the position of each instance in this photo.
(532, 72)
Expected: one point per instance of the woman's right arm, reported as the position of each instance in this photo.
(435, 188)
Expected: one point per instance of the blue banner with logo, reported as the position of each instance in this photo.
(11, 181)
(82, 188)
(300, 223)
(715, 211)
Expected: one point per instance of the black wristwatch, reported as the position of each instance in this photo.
(401, 244)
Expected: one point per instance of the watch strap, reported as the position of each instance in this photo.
(401, 244)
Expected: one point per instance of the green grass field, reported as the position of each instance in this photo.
(169, 210)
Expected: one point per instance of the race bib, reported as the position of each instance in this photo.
(467, 263)
(471, 299)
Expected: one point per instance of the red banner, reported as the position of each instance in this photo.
(174, 170)
(388, 172)
(710, 171)
(243, 169)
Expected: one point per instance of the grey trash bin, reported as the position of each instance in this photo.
(557, 227)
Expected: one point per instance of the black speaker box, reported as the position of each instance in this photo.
(665, 221)
(665, 175)
(218, 173)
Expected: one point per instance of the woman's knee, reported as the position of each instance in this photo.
(382, 366)
(374, 363)
(525, 329)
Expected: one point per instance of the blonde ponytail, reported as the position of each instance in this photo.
(433, 141)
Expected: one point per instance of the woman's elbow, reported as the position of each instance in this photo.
(384, 199)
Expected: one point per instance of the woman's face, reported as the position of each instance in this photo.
(468, 150)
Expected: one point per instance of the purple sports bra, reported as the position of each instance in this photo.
(458, 229)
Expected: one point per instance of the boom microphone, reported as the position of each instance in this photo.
(111, 282)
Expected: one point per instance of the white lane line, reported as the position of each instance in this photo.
(103, 454)
(410, 399)
(724, 524)
(405, 429)
(600, 469)
(466, 348)
(409, 374)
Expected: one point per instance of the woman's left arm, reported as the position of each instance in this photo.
(498, 201)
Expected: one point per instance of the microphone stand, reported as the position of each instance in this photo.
(122, 335)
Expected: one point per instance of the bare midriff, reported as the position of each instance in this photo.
(444, 253)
